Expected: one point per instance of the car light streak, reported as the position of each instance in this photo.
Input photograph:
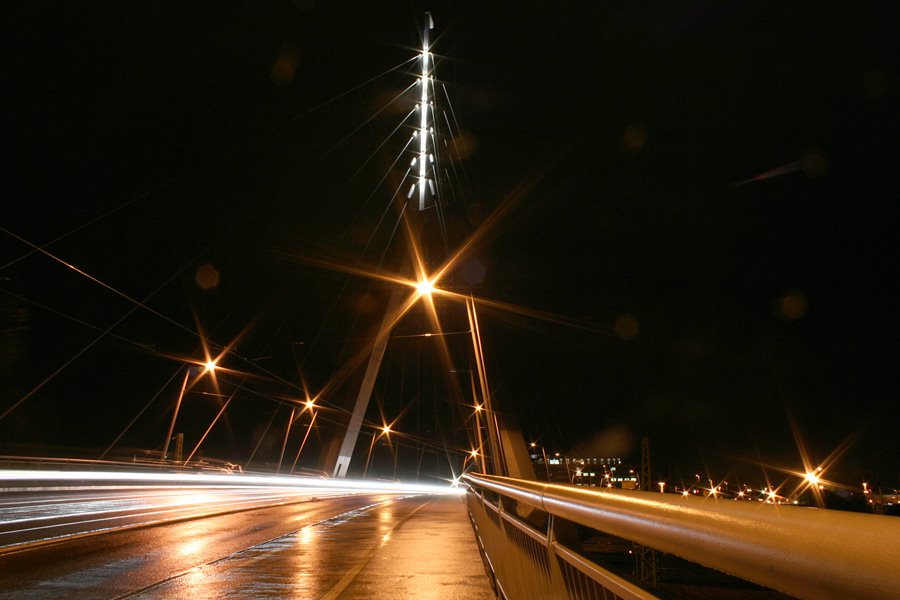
(118, 500)
(233, 480)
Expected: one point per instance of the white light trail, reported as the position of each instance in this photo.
(45, 478)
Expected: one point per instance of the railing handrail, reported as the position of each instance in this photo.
(805, 552)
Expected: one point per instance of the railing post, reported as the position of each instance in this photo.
(557, 580)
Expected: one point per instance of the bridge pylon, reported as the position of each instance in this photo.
(426, 183)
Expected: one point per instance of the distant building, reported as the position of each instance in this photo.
(591, 472)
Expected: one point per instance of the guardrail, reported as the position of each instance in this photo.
(525, 531)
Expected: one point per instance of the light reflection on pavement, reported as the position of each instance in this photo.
(116, 535)
(37, 506)
(116, 563)
(419, 547)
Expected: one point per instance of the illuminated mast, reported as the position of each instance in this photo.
(424, 159)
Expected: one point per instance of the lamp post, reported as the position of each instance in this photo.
(208, 367)
(566, 461)
(310, 406)
(479, 409)
(165, 451)
(385, 430)
(534, 445)
(472, 455)
(287, 434)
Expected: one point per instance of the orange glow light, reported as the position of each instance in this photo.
(425, 287)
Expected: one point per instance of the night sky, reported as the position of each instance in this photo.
(700, 198)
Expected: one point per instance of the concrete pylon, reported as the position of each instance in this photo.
(516, 461)
(345, 452)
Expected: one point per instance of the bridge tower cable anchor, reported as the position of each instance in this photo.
(423, 163)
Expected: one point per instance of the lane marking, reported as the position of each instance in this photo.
(26, 546)
(343, 515)
(350, 575)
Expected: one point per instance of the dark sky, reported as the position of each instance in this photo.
(714, 307)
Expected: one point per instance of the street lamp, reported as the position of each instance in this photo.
(534, 445)
(310, 404)
(208, 367)
(425, 287)
(479, 408)
(385, 430)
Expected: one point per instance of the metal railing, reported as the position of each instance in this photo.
(524, 531)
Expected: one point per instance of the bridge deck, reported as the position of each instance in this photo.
(420, 547)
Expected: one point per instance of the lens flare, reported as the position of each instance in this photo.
(425, 287)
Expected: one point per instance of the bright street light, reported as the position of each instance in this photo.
(385, 431)
(425, 287)
(209, 367)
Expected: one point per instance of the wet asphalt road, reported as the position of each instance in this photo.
(359, 546)
(32, 516)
